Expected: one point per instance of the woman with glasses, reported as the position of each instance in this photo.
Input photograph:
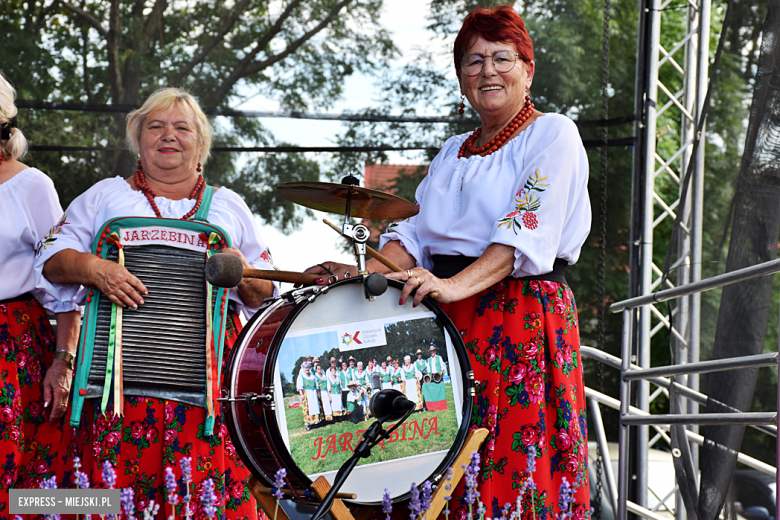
(503, 211)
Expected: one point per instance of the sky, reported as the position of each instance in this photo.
(314, 242)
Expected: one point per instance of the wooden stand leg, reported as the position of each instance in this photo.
(474, 440)
(338, 511)
(267, 502)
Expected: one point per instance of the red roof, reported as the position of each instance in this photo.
(381, 176)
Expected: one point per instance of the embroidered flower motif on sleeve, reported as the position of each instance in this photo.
(50, 237)
(526, 203)
(266, 255)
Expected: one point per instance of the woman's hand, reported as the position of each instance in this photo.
(116, 282)
(328, 269)
(425, 282)
(56, 384)
(252, 292)
(56, 389)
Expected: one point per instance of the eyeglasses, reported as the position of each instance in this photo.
(503, 61)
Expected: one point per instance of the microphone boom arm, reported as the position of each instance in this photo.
(373, 436)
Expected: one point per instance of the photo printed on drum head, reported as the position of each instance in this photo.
(328, 374)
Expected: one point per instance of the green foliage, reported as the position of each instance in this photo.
(298, 53)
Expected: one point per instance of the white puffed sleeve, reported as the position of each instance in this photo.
(245, 234)
(75, 230)
(549, 216)
(405, 231)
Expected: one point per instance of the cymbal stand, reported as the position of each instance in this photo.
(359, 235)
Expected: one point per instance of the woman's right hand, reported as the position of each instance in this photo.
(328, 269)
(116, 282)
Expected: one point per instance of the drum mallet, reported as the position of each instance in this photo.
(376, 255)
(226, 270)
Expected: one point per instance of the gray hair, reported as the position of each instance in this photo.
(164, 99)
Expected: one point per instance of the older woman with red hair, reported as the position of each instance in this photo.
(503, 211)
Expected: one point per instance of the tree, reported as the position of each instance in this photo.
(223, 52)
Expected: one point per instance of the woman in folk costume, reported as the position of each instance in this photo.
(306, 384)
(386, 373)
(36, 377)
(503, 211)
(357, 402)
(361, 376)
(172, 136)
(334, 389)
(411, 383)
(398, 377)
(322, 387)
(344, 379)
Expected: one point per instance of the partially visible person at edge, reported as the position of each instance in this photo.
(503, 210)
(172, 137)
(33, 397)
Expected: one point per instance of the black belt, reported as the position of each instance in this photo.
(21, 298)
(447, 266)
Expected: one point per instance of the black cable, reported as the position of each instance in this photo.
(602, 267)
(229, 112)
(595, 143)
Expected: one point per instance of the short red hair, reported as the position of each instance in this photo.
(495, 24)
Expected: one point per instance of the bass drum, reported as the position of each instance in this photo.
(278, 418)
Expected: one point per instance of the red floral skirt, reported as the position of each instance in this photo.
(156, 433)
(28, 443)
(523, 343)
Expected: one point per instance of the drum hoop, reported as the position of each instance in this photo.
(281, 452)
(235, 437)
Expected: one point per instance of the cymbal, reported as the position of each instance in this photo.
(332, 198)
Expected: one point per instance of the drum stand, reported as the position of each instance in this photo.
(320, 488)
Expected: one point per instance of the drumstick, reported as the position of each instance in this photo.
(281, 276)
(376, 255)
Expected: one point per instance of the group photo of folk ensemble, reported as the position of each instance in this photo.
(343, 390)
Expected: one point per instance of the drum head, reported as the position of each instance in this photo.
(313, 431)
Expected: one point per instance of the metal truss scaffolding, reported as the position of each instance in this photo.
(672, 76)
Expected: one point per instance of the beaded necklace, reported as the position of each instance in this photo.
(503, 136)
(197, 192)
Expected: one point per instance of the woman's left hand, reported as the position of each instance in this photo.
(56, 389)
(425, 283)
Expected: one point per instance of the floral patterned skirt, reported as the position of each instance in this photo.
(28, 443)
(156, 433)
(523, 341)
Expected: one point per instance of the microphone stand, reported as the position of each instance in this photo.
(373, 436)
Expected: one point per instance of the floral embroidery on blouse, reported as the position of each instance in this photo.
(50, 237)
(266, 255)
(526, 204)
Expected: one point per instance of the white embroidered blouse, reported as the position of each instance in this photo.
(30, 210)
(530, 195)
(112, 198)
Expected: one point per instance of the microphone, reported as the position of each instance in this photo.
(389, 405)
(224, 270)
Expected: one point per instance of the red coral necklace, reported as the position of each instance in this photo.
(503, 136)
(197, 192)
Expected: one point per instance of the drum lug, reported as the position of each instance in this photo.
(473, 392)
(470, 375)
